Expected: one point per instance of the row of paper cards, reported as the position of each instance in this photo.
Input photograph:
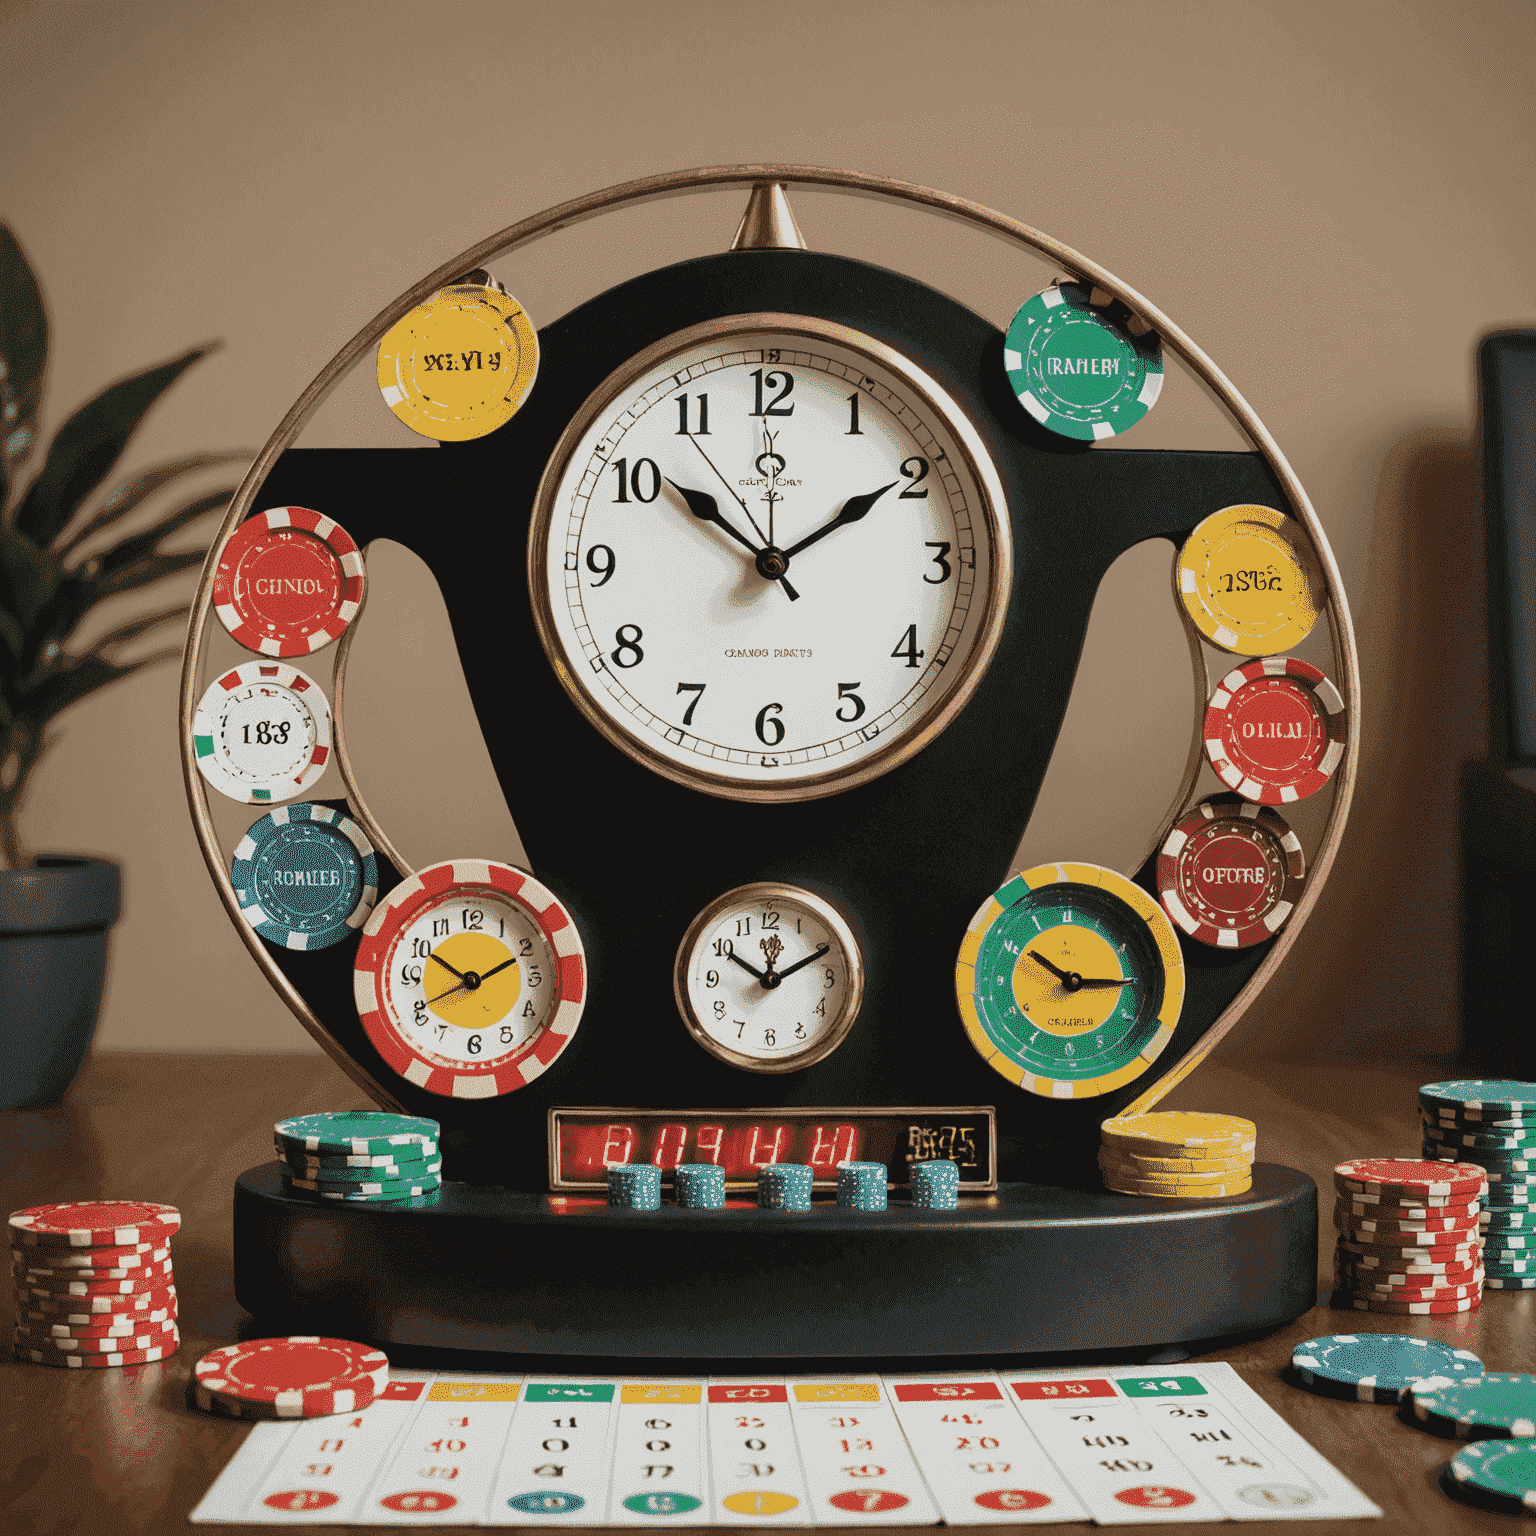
(1117, 1446)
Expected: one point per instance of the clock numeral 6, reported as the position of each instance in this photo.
(770, 729)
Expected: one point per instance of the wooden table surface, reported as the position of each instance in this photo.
(122, 1451)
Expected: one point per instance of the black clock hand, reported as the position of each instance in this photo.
(495, 969)
(731, 488)
(746, 965)
(1075, 983)
(449, 993)
(853, 509)
(707, 510)
(447, 967)
(1124, 981)
(815, 954)
(1055, 970)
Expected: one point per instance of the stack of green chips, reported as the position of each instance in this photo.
(861, 1186)
(634, 1186)
(367, 1157)
(785, 1187)
(1492, 1123)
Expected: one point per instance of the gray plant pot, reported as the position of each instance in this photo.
(54, 920)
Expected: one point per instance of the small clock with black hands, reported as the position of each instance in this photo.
(769, 978)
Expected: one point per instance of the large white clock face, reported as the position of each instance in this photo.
(770, 558)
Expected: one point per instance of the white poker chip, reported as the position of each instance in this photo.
(262, 733)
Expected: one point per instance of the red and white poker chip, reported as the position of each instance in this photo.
(96, 1362)
(296, 1378)
(95, 1224)
(1346, 1219)
(100, 1307)
(376, 961)
(1230, 873)
(87, 1325)
(143, 1275)
(1411, 1176)
(1275, 730)
(151, 1336)
(289, 581)
(45, 1288)
(132, 1256)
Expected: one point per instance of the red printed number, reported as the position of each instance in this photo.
(1154, 1497)
(1013, 1498)
(424, 1501)
(296, 1500)
(868, 1501)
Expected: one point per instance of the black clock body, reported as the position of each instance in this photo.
(910, 856)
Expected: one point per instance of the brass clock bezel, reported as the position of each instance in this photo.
(992, 523)
(836, 924)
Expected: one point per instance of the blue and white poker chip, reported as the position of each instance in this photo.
(1379, 1367)
(1081, 363)
(306, 876)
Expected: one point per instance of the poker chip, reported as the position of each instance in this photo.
(404, 1154)
(785, 1187)
(358, 1133)
(1501, 1473)
(1408, 1176)
(306, 876)
(87, 1325)
(392, 1190)
(1408, 1292)
(1412, 1209)
(461, 364)
(95, 1224)
(262, 732)
(634, 1186)
(1168, 1132)
(1449, 1253)
(1249, 582)
(152, 1336)
(1513, 1219)
(1414, 1306)
(299, 1377)
(47, 1283)
(1511, 1282)
(101, 1260)
(1369, 1233)
(1124, 1167)
(1479, 1095)
(1149, 1163)
(289, 581)
(1466, 1222)
(935, 1186)
(1275, 730)
(1230, 873)
(862, 1186)
(1504, 1141)
(47, 1274)
(97, 1362)
(1450, 1272)
(1378, 1367)
(395, 1173)
(1177, 1191)
(103, 1307)
(1498, 1405)
(700, 1186)
(1081, 363)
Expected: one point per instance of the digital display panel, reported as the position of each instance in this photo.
(583, 1142)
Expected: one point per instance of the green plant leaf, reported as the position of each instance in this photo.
(82, 675)
(109, 563)
(156, 568)
(23, 356)
(86, 447)
(29, 576)
(136, 627)
(132, 493)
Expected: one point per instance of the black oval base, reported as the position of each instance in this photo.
(1031, 1270)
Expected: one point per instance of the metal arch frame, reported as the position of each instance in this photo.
(708, 178)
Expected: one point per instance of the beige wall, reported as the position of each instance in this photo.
(1332, 199)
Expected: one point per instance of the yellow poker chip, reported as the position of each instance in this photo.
(1166, 1132)
(1118, 1169)
(1249, 581)
(460, 365)
(1177, 1191)
(1149, 1163)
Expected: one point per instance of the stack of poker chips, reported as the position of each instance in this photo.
(1492, 1124)
(700, 1186)
(634, 1186)
(303, 1377)
(1178, 1155)
(935, 1185)
(1408, 1236)
(861, 1186)
(93, 1283)
(362, 1157)
(785, 1186)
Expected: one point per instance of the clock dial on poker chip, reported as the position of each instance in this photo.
(306, 876)
(460, 365)
(1275, 730)
(1081, 363)
(470, 978)
(288, 582)
(1070, 980)
(262, 732)
(1249, 582)
(1230, 873)
(769, 558)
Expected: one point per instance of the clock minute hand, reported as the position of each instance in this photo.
(1122, 981)
(853, 509)
(815, 954)
(746, 965)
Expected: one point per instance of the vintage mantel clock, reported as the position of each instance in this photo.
(787, 561)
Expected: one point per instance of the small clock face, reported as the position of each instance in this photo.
(1070, 981)
(470, 979)
(769, 558)
(769, 978)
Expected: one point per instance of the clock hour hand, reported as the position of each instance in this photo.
(447, 967)
(815, 954)
(770, 562)
(746, 965)
(853, 509)
(1055, 970)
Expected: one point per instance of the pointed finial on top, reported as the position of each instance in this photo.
(768, 223)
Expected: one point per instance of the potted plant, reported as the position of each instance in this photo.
(62, 553)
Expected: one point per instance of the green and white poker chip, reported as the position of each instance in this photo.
(1468, 1095)
(1500, 1473)
(1081, 363)
(1499, 1405)
(356, 1132)
(1378, 1367)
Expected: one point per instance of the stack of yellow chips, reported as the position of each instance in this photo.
(1178, 1155)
